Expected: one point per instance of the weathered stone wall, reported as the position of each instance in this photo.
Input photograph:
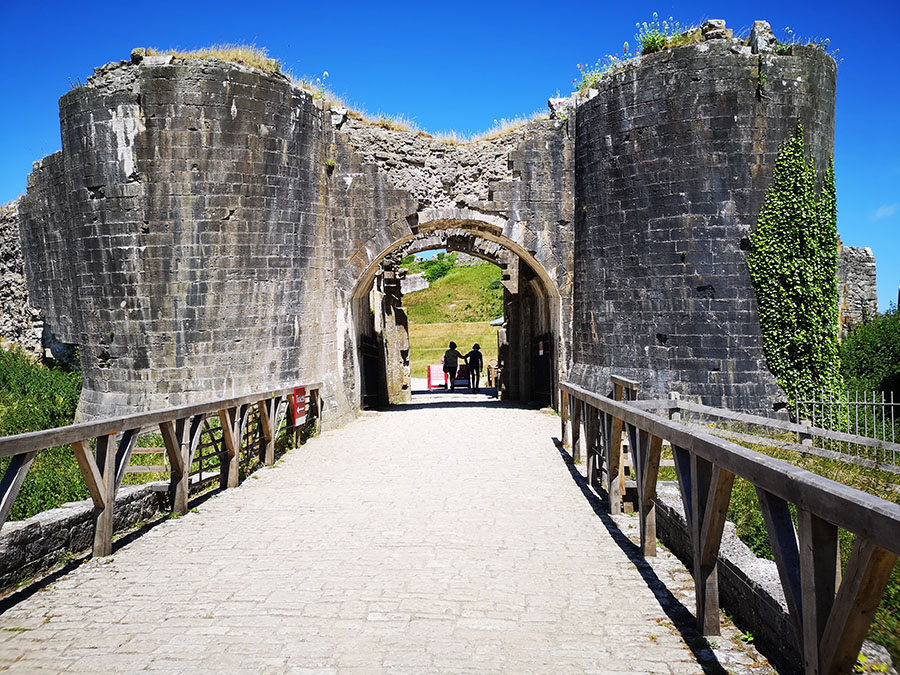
(193, 195)
(194, 239)
(208, 229)
(673, 158)
(412, 283)
(857, 285)
(20, 323)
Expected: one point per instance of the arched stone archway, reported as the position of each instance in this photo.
(532, 308)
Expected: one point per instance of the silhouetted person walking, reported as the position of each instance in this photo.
(451, 363)
(474, 361)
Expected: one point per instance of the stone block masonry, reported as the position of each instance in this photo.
(208, 229)
(673, 157)
(857, 286)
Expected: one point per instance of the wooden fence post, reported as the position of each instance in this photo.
(103, 517)
(267, 409)
(576, 428)
(233, 422)
(592, 440)
(173, 438)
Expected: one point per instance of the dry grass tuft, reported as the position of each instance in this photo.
(247, 55)
(498, 129)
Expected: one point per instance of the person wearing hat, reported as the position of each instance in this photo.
(475, 361)
(451, 363)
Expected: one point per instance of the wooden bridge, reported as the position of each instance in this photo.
(409, 542)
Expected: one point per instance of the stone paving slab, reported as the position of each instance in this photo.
(447, 536)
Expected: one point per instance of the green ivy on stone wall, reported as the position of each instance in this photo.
(793, 266)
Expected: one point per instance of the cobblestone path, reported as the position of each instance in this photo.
(427, 538)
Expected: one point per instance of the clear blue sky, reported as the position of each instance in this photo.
(458, 66)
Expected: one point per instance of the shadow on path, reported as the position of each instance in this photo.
(681, 617)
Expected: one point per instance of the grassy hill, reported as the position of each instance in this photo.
(458, 306)
(463, 295)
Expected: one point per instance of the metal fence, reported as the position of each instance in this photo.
(870, 414)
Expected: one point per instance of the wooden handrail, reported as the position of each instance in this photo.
(831, 619)
(846, 507)
(39, 440)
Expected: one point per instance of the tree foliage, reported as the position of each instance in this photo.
(870, 355)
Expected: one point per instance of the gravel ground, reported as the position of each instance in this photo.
(448, 535)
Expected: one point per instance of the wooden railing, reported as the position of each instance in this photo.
(103, 449)
(831, 610)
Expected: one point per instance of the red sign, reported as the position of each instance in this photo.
(299, 405)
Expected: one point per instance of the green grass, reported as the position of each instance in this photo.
(463, 295)
(428, 342)
(458, 306)
(34, 397)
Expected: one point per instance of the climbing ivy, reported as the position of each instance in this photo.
(793, 266)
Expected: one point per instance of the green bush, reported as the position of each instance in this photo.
(435, 269)
(870, 355)
(34, 397)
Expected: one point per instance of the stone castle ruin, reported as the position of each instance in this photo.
(209, 228)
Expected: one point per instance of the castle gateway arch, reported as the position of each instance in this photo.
(209, 229)
(532, 344)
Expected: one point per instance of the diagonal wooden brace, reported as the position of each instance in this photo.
(12, 481)
(783, 542)
(90, 472)
(173, 433)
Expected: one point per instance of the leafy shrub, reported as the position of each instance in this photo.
(592, 75)
(435, 269)
(34, 397)
(870, 355)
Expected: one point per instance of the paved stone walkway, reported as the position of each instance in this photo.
(427, 538)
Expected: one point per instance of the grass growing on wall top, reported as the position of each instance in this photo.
(247, 55)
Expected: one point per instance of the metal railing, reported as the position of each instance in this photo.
(831, 617)
(213, 437)
(872, 414)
